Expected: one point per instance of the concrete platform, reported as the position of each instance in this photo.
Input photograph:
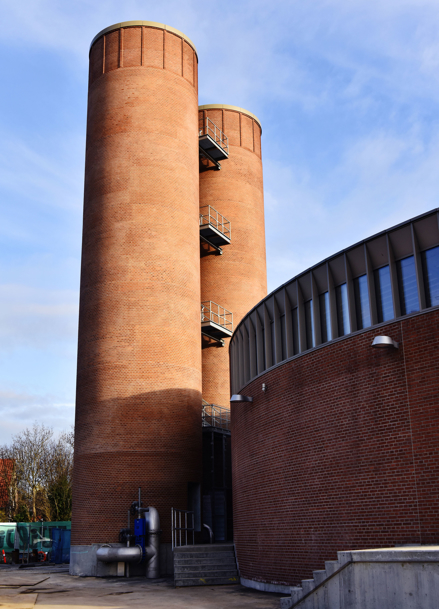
(53, 588)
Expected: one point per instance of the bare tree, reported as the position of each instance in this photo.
(29, 450)
(59, 469)
(39, 475)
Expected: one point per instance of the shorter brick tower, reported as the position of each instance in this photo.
(233, 279)
(234, 197)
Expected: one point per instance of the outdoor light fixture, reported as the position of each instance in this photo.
(384, 341)
(241, 398)
(264, 387)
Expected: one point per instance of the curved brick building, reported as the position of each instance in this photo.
(138, 406)
(237, 279)
(339, 449)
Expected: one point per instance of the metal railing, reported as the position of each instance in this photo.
(210, 311)
(209, 215)
(180, 528)
(208, 127)
(215, 416)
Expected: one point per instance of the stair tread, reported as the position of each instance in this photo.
(207, 567)
(201, 557)
(205, 561)
(229, 547)
(205, 581)
(206, 573)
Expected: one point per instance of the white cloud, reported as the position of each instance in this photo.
(36, 317)
(50, 179)
(380, 181)
(19, 410)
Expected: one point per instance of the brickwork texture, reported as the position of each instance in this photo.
(138, 409)
(340, 453)
(237, 280)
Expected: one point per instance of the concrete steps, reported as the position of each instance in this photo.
(205, 565)
(382, 578)
(308, 585)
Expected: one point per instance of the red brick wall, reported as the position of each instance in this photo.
(237, 280)
(138, 408)
(340, 453)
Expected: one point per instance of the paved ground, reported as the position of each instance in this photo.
(54, 588)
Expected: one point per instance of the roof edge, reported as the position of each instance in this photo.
(161, 26)
(435, 210)
(227, 107)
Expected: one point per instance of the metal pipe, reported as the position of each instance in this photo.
(119, 554)
(127, 565)
(153, 549)
(210, 532)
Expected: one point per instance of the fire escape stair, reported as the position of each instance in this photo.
(205, 565)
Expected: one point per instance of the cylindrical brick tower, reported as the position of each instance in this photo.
(138, 405)
(237, 279)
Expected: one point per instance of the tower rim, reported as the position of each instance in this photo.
(152, 24)
(228, 107)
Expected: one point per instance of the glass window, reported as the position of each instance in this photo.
(430, 267)
(408, 287)
(273, 343)
(264, 359)
(341, 297)
(362, 309)
(309, 326)
(295, 320)
(383, 294)
(325, 319)
(283, 336)
(255, 339)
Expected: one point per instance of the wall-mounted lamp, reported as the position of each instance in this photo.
(264, 387)
(241, 398)
(384, 342)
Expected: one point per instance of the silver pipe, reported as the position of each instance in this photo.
(119, 554)
(210, 532)
(153, 548)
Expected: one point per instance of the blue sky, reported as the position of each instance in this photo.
(347, 92)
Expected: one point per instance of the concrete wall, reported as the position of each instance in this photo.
(83, 562)
(342, 449)
(395, 578)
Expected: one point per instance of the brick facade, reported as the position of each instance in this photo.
(138, 407)
(340, 453)
(237, 280)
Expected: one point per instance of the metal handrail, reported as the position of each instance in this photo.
(178, 529)
(207, 127)
(215, 416)
(210, 311)
(209, 215)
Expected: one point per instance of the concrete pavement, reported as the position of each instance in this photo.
(54, 588)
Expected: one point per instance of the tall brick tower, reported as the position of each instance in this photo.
(138, 407)
(237, 279)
